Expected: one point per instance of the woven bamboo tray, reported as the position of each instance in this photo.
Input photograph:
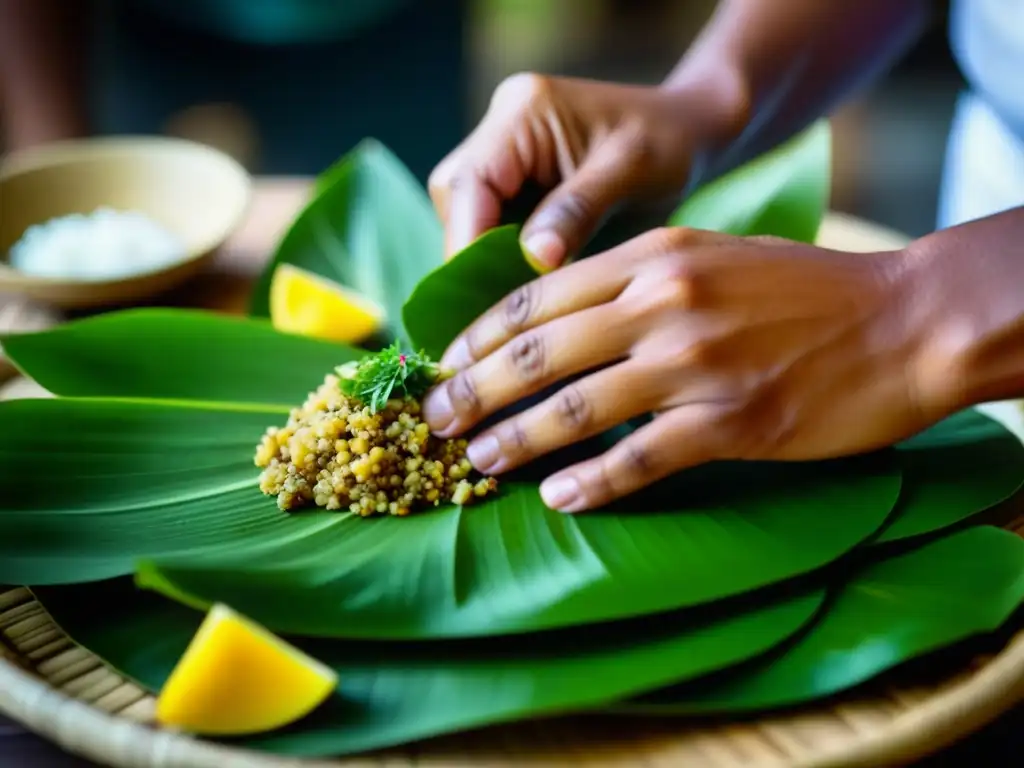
(68, 695)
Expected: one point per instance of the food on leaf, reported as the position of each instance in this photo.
(237, 678)
(309, 305)
(372, 379)
(359, 442)
(176, 423)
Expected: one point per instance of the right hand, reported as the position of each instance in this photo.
(594, 145)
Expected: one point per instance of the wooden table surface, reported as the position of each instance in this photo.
(225, 287)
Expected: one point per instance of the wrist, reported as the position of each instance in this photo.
(713, 99)
(962, 300)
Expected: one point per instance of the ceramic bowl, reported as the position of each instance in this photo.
(197, 193)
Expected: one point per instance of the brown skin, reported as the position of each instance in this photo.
(753, 78)
(743, 348)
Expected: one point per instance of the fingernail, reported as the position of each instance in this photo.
(458, 357)
(562, 493)
(544, 250)
(437, 409)
(484, 453)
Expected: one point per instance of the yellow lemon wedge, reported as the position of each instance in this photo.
(309, 305)
(237, 678)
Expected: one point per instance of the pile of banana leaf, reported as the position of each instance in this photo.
(129, 504)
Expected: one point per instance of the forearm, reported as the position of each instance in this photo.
(965, 295)
(767, 73)
(41, 70)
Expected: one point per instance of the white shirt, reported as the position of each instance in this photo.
(984, 169)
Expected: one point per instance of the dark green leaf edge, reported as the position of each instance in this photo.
(166, 574)
(711, 695)
(987, 446)
(21, 348)
(338, 173)
(329, 730)
(271, 409)
(446, 299)
(779, 165)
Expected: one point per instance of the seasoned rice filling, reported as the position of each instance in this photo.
(336, 453)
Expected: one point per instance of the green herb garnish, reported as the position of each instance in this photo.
(373, 380)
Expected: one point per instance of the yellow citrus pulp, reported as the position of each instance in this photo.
(309, 305)
(237, 678)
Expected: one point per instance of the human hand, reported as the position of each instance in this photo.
(602, 144)
(743, 348)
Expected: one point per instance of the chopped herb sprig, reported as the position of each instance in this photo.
(374, 379)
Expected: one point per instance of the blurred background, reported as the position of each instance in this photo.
(287, 91)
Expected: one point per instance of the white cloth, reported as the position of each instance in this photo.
(984, 169)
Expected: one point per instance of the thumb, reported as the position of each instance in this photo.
(571, 213)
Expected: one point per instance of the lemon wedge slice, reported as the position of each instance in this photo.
(309, 305)
(237, 678)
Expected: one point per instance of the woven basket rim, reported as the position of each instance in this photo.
(82, 729)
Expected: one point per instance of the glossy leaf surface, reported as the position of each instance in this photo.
(948, 590)
(783, 193)
(88, 488)
(453, 295)
(397, 692)
(961, 466)
(178, 355)
(509, 564)
(124, 480)
(370, 226)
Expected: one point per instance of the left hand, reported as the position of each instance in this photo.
(744, 348)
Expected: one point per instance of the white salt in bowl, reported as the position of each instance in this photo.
(114, 221)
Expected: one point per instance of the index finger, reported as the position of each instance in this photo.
(563, 292)
(571, 288)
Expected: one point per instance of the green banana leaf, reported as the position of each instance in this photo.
(391, 693)
(971, 461)
(957, 587)
(512, 566)
(176, 354)
(456, 293)
(370, 226)
(578, 559)
(782, 193)
(145, 465)
(89, 487)
(954, 470)
(782, 652)
(964, 465)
